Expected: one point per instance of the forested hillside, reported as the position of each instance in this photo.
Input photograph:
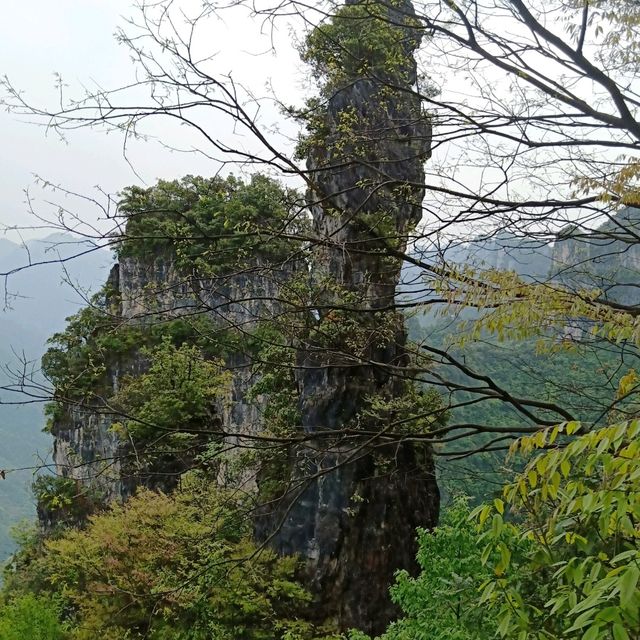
(583, 377)
(565, 364)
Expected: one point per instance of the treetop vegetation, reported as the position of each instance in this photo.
(362, 40)
(210, 226)
(161, 566)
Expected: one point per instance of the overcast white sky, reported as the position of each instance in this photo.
(75, 38)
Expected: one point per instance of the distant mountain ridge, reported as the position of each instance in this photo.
(34, 303)
(584, 378)
(607, 258)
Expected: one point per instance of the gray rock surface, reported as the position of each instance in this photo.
(353, 503)
(354, 512)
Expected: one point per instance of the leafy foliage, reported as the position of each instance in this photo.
(77, 361)
(175, 395)
(95, 338)
(578, 507)
(64, 499)
(171, 567)
(275, 366)
(211, 225)
(442, 602)
(30, 617)
(414, 411)
(170, 389)
(360, 40)
(558, 556)
(95, 342)
(616, 23)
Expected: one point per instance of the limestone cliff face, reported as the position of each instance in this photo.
(354, 500)
(359, 501)
(140, 292)
(366, 198)
(86, 450)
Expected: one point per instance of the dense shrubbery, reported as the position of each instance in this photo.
(64, 500)
(361, 41)
(30, 618)
(557, 556)
(211, 225)
(176, 395)
(78, 358)
(96, 342)
(442, 602)
(569, 564)
(76, 362)
(161, 567)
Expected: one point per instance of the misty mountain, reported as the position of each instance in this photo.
(34, 302)
(606, 258)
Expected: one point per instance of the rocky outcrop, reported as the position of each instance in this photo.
(86, 450)
(354, 512)
(352, 499)
(140, 292)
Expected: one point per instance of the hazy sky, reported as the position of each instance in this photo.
(75, 38)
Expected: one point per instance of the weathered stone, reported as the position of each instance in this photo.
(354, 513)
(352, 503)
(141, 292)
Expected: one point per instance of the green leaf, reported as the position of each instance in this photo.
(486, 552)
(582, 620)
(572, 427)
(619, 632)
(496, 525)
(484, 514)
(503, 627)
(592, 633)
(609, 614)
(487, 591)
(505, 556)
(628, 584)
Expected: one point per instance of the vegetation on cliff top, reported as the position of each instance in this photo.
(211, 226)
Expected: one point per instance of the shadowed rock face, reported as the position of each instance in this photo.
(355, 511)
(367, 197)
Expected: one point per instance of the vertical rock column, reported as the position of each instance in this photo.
(354, 517)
